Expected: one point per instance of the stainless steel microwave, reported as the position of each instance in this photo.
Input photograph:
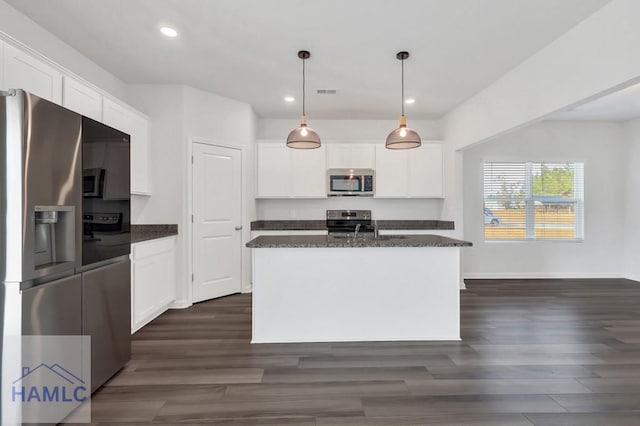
(92, 182)
(350, 182)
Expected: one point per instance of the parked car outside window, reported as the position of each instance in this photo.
(490, 218)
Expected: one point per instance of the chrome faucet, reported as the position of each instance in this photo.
(375, 229)
(355, 234)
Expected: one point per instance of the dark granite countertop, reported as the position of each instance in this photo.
(331, 241)
(289, 225)
(313, 225)
(141, 233)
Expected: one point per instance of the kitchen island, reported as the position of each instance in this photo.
(323, 288)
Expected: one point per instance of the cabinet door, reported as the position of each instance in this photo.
(308, 173)
(425, 171)
(116, 116)
(363, 155)
(338, 156)
(392, 176)
(2, 86)
(116, 165)
(140, 170)
(274, 170)
(81, 98)
(23, 71)
(154, 277)
(136, 126)
(350, 155)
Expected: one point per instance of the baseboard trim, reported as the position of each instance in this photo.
(633, 277)
(180, 304)
(539, 275)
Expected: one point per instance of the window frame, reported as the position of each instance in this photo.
(579, 224)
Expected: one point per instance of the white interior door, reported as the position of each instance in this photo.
(217, 213)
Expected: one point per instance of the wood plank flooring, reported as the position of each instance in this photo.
(534, 352)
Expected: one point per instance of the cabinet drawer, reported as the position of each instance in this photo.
(146, 249)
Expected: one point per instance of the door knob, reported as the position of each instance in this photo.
(238, 228)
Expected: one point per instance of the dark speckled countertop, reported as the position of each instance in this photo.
(336, 241)
(312, 225)
(141, 233)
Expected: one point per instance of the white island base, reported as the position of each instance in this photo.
(320, 294)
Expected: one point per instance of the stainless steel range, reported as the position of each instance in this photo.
(341, 222)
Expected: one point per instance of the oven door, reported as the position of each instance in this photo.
(92, 182)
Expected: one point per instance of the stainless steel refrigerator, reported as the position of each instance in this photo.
(47, 289)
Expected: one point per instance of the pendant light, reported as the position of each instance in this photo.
(303, 137)
(403, 137)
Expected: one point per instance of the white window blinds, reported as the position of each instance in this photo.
(532, 201)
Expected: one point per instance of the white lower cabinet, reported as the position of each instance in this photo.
(153, 279)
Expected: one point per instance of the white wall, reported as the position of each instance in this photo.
(21, 30)
(179, 115)
(335, 131)
(219, 120)
(631, 131)
(596, 57)
(601, 147)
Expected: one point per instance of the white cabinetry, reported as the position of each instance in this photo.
(134, 124)
(81, 98)
(412, 173)
(153, 279)
(283, 172)
(22, 71)
(351, 155)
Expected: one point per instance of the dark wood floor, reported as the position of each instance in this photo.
(542, 352)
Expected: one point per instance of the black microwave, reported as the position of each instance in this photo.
(92, 182)
(350, 182)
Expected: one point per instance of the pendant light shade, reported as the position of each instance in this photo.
(403, 137)
(303, 137)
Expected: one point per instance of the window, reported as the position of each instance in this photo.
(533, 201)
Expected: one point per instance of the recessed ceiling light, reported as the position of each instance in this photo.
(409, 101)
(289, 99)
(169, 32)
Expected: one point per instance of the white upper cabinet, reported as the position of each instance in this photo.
(392, 176)
(351, 156)
(135, 125)
(308, 171)
(22, 71)
(274, 171)
(290, 173)
(140, 152)
(411, 173)
(2, 86)
(81, 98)
(426, 171)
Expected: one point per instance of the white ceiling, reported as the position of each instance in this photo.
(246, 49)
(618, 106)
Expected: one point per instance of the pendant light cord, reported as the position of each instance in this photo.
(303, 86)
(402, 79)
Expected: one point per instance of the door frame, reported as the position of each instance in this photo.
(188, 219)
